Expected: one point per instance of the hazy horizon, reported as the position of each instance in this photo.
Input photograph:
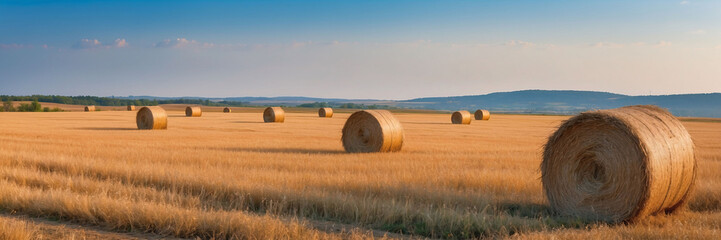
(381, 99)
(358, 49)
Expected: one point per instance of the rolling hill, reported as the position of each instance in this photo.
(523, 102)
(570, 102)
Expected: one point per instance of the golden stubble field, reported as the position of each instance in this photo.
(229, 175)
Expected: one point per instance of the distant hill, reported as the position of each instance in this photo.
(526, 101)
(570, 102)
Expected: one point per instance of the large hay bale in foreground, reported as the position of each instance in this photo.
(481, 114)
(274, 114)
(193, 111)
(618, 165)
(153, 117)
(372, 131)
(325, 112)
(226, 110)
(461, 117)
(131, 107)
(90, 108)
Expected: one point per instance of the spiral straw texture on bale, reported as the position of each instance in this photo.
(372, 131)
(618, 165)
(274, 114)
(481, 114)
(131, 107)
(226, 110)
(90, 108)
(152, 118)
(461, 117)
(193, 111)
(325, 112)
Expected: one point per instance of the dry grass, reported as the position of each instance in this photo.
(16, 230)
(231, 176)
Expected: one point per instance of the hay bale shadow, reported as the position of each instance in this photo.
(284, 150)
(543, 211)
(248, 122)
(107, 128)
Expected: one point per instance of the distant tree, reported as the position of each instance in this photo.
(8, 106)
(35, 105)
(25, 107)
(314, 105)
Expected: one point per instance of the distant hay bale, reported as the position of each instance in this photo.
(90, 108)
(619, 165)
(372, 131)
(481, 114)
(461, 117)
(131, 107)
(325, 112)
(226, 110)
(153, 117)
(193, 111)
(274, 114)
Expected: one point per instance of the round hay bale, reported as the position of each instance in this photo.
(226, 110)
(372, 131)
(325, 112)
(618, 165)
(481, 114)
(131, 107)
(153, 117)
(274, 114)
(90, 108)
(461, 117)
(193, 111)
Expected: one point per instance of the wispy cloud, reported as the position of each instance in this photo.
(182, 43)
(292, 45)
(684, 2)
(301, 44)
(96, 44)
(87, 44)
(120, 43)
(14, 46)
(518, 43)
(662, 44)
(698, 32)
(606, 45)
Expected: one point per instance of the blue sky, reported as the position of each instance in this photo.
(357, 49)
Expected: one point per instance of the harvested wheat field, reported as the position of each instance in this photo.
(80, 175)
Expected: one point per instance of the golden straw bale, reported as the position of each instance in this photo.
(226, 110)
(90, 108)
(461, 117)
(153, 117)
(274, 114)
(193, 111)
(325, 112)
(619, 165)
(372, 131)
(131, 107)
(481, 114)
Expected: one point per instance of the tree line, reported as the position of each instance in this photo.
(9, 106)
(107, 101)
(345, 105)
